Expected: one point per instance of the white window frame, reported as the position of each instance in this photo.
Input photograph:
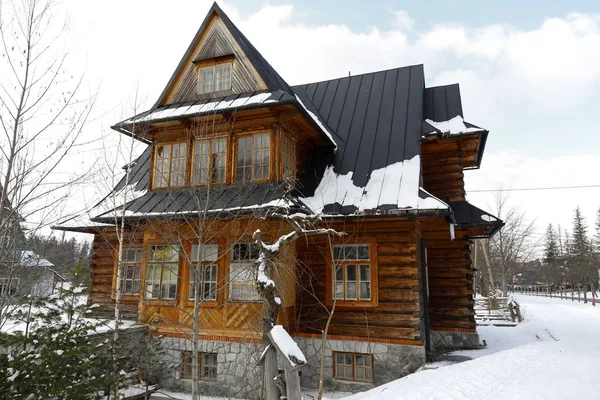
(215, 82)
(242, 273)
(208, 260)
(349, 281)
(135, 265)
(160, 282)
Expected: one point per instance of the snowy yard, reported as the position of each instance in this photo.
(553, 354)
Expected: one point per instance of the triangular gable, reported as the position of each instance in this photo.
(218, 39)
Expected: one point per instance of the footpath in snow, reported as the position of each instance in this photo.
(553, 354)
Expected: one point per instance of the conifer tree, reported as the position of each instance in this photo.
(52, 354)
(551, 256)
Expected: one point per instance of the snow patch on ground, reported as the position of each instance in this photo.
(553, 354)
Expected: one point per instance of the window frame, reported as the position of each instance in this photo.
(155, 161)
(241, 263)
(213, 66)
(186, 366)
(210, 139)
(269, 135)
(204, 264)
(354, 366)
(162, 265)
(131, 264)
(330, 274)
(286, 141)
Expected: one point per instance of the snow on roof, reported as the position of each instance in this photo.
(187, 109)
(453, 126)
(317, 121)
(395, 186)
(31, 259)
(286, 345)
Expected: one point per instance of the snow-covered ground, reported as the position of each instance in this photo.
(553, 354)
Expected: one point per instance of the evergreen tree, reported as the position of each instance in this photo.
(580, 244)
(53, 356)
(551, 257)
(596, 242)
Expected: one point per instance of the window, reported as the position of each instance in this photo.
(207, 365)
(353, 367)
(129, 275)
(242, 282)
(289, 158)
(161, 275)
(209, 160)
(352, 272)
(253, 153)
(169, 165)
(207, 255)
(214, 78)
(8, 286)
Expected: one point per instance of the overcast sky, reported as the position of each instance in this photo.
(529, 72)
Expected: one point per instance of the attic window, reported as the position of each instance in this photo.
(214, 78)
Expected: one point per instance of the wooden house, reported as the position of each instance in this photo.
(231, 149)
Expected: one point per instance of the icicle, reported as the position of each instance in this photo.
(451, 231)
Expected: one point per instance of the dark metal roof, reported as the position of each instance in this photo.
(377, 116)
(442, 103)
(267, 73)
(467, 215)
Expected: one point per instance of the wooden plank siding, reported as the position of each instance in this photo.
(224, 317)
(215, 42)
(397, 314)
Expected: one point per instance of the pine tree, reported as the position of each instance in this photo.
(580, 245)
(596, 242)
(551, 256)
(53, 356)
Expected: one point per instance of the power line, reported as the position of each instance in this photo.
(538, 188)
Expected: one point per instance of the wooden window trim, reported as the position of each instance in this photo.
(285, 136)
(214, 63)
(272, 168)
(185, 294)
(145, 263)
(140, 263)
(374, 302)
(185, 170)
(354, 379)
(231, 262)
(186, 365)
(227, 159)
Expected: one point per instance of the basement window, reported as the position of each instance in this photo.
(207, 365)
(353, 366)
(214, 78)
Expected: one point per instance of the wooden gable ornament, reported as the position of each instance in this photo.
(220, 61)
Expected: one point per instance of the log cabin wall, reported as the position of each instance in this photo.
(443, 169)
(450, 277)
(396, 317)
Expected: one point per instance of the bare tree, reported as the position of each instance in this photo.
(42, 115)
(514, 243)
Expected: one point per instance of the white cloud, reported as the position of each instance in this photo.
(515, 170)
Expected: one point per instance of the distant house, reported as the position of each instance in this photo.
(231, 148)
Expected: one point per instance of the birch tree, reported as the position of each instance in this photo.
(42, 115)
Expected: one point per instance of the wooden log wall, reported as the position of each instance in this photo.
(450, 277)
(443, 161)
(397, 314)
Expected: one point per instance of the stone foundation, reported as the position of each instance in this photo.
(239, 376)
(445, 341)
(391, 361)
(237, 373)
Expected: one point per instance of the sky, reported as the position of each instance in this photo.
(529, 71)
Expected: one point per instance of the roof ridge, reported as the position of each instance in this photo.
(268, 74)
(358, 75)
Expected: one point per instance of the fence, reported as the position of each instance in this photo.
(572, 293)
